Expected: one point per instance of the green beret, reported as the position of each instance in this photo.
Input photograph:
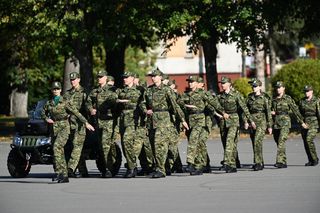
(56, 85)
(102, 73)
(225, 79)
(74, 75)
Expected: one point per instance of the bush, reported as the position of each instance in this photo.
(242, 85)
(297, 74)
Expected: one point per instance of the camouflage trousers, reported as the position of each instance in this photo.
(229, 138)
(308, 136)
(77, 137)
(146, 156)
(131, 145)
(280, 137)
(60, 164)
(257, 136)
(106, 138)
(159, 140)
(173, 160)
(197, 147)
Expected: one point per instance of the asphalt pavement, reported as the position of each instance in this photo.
(295, 189)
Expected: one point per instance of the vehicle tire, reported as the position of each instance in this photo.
(18, 167)
(114, 160)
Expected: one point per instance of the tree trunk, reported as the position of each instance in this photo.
(71, 64)
(210, 59)
(272, 54)
(83, 52)
(19, 103)
(115, 63)
(260, 65)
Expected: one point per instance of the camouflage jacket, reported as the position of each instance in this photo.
(233, 104)
(161, 100)
(310, 110)
(104, 101)
(282, 107)
(260, 109)
(77, 97)
(131, 112)
(60, 113)
(203, 101)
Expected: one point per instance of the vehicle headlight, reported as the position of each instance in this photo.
(17, 140)
(43, 141)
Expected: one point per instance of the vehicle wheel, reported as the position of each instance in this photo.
(114, 160)
(18, 167)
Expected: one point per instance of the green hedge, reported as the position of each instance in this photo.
(297, 74)
(242, 85)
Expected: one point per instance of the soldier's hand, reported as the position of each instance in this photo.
(253, 124)
(304, 125)
(149, 112)
(246, 125)
(191, 106)
(226, 116)
(89, 127)
(273, 113)
(185, 125)
(49, 121)
(270, 131)
(93, 112)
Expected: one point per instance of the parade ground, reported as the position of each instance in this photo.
(295, 189)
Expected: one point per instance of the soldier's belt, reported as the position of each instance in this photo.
(231, 112)
(310, 115)
(195, 112)
(105, 117)
(282, 113)
(61, 118)
(256, 111)
(160, 110)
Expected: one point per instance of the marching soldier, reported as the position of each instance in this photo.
(282, 104)
(233, 103)
(159, 100)
(259, 107)
(310, 109)
(101, 104)
(56, 112)
(77, 97)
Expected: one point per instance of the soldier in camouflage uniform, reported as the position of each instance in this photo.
(233, 103)
(131, 103)
(101, 104)
(56, 112)
(310, 110)
(77, 97)
(282, 104)
(159, 100)
(174, 163)
(194, 103)
(259, 105)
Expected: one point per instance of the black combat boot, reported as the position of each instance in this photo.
(230, 169)
(131, 173)
(106, 174)
(71, 173)
(257, 167)
(63, 179)
(158, 174)
(280, 165)
(196, 172)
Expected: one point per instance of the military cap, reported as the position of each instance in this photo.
(110, 78)
(171, 82)
(128, 74)
(165, 77)
(307, 88)
(200, 80)
(136, 75)
(56, 85)
(225, 79)
(193, 78)
(279, 84)
(102, 73)
(74, 75)
(156, 72)
(255, 82)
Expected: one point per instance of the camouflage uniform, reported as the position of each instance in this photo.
(310, 110)
(59, 112)
(103, 99)
(198, 133)
(233, 103)
(260, 109)
(160, 100)
(77, 97)
(282, 123)
(146, 156)
(129, 123)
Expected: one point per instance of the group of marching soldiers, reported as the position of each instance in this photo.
(150, 120)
